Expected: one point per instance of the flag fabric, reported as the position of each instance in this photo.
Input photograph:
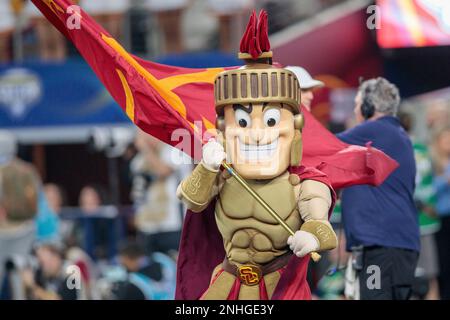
(162, 99)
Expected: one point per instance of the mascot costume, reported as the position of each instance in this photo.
(260, 127)
(260, 198)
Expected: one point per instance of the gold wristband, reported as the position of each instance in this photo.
(323, 232)
(197, 187)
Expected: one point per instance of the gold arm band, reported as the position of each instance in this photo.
(323, 232)
(197, 187)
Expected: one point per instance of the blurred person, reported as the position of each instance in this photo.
(425, 199)
(109, 13)
(331, 286)
(47, 221)
(77, 257)
(19, 184)
(149, 278)
(441, 160)
(438, 114)
(332, 282)
(155, 179)
(90, 199)
(169, 14)
(52, 45)
(50, 281)
(230, 15)
(307, 85)
(56, 201)
(96, 229)
(381, 223)
(55, 197)
(7, 24)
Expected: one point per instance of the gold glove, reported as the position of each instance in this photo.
(196, 189)
(323, 231)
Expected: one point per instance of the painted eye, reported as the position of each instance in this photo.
(272, 117)
(242, 118)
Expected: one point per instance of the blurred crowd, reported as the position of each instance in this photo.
(165, 26)
(45, 246)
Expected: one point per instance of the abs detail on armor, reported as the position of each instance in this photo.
(251, 235)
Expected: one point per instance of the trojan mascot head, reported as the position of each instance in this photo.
(258, 109)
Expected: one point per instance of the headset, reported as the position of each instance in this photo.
(367, 106)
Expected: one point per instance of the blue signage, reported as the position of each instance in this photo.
(38, 94)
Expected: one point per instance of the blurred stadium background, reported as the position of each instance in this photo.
(67, 125)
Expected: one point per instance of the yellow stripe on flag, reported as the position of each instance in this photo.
(53, 6)
(207, 76)
(128, 95)
(171, 98)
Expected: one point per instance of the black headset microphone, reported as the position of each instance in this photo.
(367, 106)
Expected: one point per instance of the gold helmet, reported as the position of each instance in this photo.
(258, 80)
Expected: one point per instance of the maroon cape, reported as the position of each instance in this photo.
(201, 250)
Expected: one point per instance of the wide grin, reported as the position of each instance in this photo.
(258, 152)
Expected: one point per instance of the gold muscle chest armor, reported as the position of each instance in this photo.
(249, 233)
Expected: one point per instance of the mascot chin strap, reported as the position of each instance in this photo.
(296, 149)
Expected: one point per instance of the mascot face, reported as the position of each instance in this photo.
(258, 138)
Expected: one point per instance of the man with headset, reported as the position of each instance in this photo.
(381, 223)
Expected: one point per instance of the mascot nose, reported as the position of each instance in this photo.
(257, 135)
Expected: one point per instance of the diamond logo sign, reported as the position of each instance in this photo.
(20, 90)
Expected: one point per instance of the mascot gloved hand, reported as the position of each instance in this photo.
(213, 155)
(302, 243)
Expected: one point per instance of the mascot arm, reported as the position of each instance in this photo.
(314, 205)
(199, 188)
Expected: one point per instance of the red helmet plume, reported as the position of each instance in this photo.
(255, 40)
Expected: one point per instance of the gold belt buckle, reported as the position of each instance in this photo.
(249, 274)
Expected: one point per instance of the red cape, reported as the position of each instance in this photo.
(201, 250)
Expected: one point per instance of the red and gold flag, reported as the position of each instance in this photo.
(160, 99)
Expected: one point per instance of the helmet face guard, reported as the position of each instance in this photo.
(258, 81)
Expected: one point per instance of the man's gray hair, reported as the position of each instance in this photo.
(382, 94)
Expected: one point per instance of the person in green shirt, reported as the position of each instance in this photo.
(424, 196)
